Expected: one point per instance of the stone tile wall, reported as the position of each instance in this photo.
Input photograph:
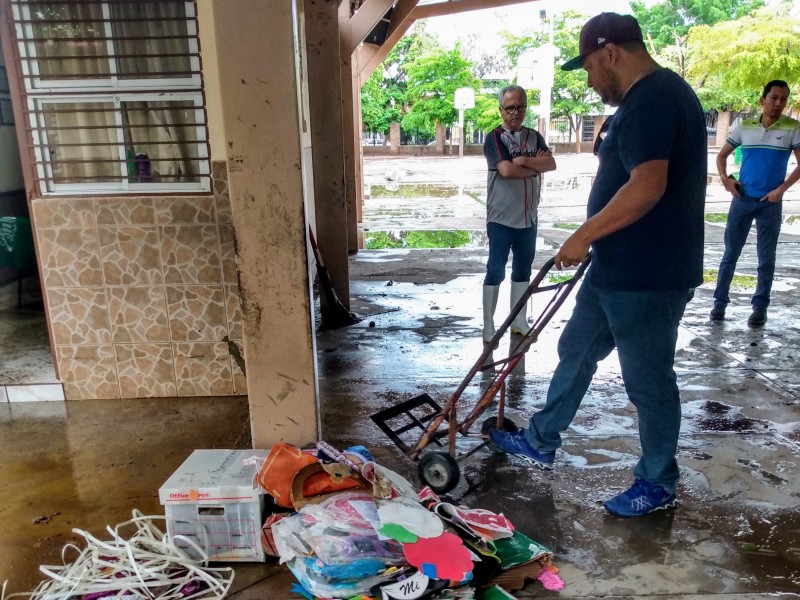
(142, 293)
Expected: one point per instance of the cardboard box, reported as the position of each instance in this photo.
(210, 500)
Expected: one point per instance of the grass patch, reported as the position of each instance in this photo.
(414, 190)
(478, 195)
(739, 282)
(792, 219)
(559, 277)
(381, 240)
(567, 226)
(716, 217)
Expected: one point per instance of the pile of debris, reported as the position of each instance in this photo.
(355, 528)
(344, 525)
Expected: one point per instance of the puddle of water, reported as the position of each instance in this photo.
(721, 417)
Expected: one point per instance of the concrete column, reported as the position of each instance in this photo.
(358, 201)
(264, 139)
(723, 127)
(352, 133)
(327, 142)
(439, 137)
(394, 138)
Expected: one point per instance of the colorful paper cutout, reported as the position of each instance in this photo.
(443, 557)
(398, 532)
(412, 516)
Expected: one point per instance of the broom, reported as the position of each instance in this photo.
(334, 313)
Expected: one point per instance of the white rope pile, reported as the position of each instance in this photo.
(147, 566)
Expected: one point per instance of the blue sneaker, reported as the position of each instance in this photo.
(642, 498)
(514, 442)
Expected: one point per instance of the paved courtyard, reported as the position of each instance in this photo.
(735, 535)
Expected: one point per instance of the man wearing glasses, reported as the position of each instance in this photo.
(645, 229)
(516, 156)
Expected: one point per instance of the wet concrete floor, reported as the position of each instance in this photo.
(736, 533)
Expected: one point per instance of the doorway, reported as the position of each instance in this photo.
(27, 371)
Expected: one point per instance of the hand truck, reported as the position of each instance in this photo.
(439, 469)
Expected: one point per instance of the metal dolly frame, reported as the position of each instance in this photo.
(439, 469)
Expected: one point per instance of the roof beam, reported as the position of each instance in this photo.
(368, 56)
(450, 7)
(364, 20)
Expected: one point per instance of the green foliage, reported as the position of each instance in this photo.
(485, 116)
(716, 217)
(740, 56)
(415, 190)
(384, 95)
(433, 78)
(665, 23)
(381, 240)
(739, 282)
(437, 239)
(559, 277)
(377, 112)
(567, 226)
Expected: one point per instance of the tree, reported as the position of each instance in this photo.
(571, 97)
(383, 95)
(486, 115)
(731, 61)
(666, 25)
(433, 78)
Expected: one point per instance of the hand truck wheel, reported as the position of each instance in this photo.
(439, 471)
(490, 424)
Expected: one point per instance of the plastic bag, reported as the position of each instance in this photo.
(337, 531)
(338, 581)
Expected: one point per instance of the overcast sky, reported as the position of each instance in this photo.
(516, 19)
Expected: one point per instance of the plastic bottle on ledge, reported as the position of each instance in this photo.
(143, 172)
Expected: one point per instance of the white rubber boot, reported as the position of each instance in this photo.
(520, 323)
(490, 293)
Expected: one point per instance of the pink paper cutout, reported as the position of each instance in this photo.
(551, 581)
(445, 554)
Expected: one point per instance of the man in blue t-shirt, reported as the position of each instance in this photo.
(767, 141)
(645, 229)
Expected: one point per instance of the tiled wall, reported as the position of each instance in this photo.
(142, 294)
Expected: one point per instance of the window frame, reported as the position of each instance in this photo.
(41, 91)
(43, 166)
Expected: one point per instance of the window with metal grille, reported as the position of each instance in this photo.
(114, 95)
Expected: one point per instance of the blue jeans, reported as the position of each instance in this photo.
(503, 239)
(741, 214)
(643, 326)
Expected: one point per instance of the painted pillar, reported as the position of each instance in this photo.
(394, 138)
(266, 143)
(439, 134)
(325, 101)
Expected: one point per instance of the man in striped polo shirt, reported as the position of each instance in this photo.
(516, 157)
(767, 140)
